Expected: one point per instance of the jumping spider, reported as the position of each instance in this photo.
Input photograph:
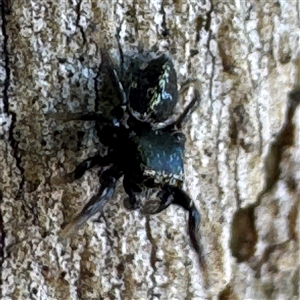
(145, 144)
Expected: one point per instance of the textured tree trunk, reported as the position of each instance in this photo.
(242, 152)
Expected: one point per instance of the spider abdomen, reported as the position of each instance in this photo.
(162, 157)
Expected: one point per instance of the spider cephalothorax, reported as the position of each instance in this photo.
(145, 144)
(153, 90)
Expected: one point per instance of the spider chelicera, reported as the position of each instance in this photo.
(144, 142)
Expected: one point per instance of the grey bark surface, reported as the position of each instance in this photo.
(242, 152)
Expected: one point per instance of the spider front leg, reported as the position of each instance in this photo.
(81, 168)
(88, 164)
(96, 203)
(130, 188)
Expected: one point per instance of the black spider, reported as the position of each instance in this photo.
(144, 143)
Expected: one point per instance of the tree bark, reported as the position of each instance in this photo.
(241, 162)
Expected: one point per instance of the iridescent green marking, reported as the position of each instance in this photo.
(160, 90)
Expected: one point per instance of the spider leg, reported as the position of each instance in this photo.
(156, 206)
(174, 195)
(185, 115)
(81, 168)
(118, 112)
(82, 116)
(88, 164)
(130, 188)
(112, 73)
(96, 203)
(183, 200)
